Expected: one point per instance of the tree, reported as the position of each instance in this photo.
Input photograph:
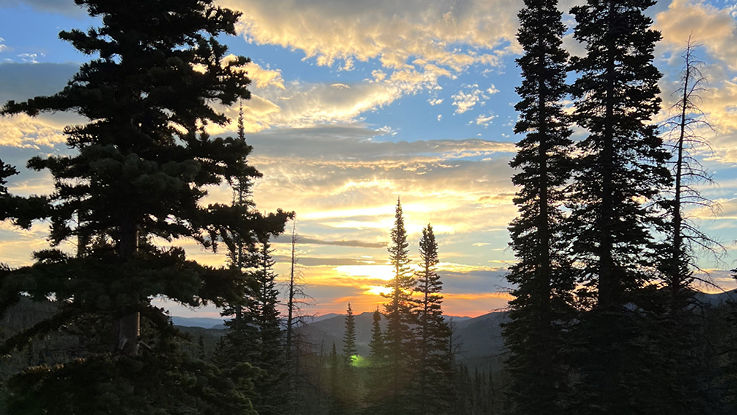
(349, 337)
(240, 339)
(21, 210)
(253, 336)
(350, 352)
(685, 130)
(6, 171)
(542, 278)
(376, 383)
(398, 337)
(266, 319)
(336, 404)
(434, 359)
(138, 171)
(296, 298)
(680, 334)
(618, 176)
(728, 378)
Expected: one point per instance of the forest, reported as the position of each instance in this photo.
(606, 315)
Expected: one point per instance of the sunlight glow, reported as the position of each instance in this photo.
(377, 272)
(378, 290)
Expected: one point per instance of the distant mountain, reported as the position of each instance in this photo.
(204, 322)
(717, 299)
(480, 338)
(476, 339)
(219, 323)
(315, 319)
(324, 332)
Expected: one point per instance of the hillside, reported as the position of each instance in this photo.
(475, 338)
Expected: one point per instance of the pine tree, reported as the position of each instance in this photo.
(542, 278)
(336, 405)
(270, 356)
(350, 352)
(376, 383)
(433, 357)
(6, 209)
(728, 354)
(201, 353)
(618, 176)
(349, 337)
(139, 169)
(241, 340)
(399, 316)
(21, 210)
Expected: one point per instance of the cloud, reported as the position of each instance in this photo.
(302, 239)
(264, 77)
(724, 209)
(724, 146)
(344, 182)
(465, 293)
(358, 145)
(274, 103)
(20, 81)
(53, 6)
(320, 261)
(466, 100)
(3, 46)
(17, 245)
(304, 104)
(714, 28)
(415, 49)
(718, 101)
(485, 120)
(474, 280)
(396, 34)
(30, 132)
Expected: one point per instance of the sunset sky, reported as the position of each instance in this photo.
(356, 103)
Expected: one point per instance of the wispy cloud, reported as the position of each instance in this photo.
(397, 34)
(712, 27)
(465, 100)
(311, 240)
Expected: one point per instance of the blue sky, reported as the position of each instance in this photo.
(356, 103)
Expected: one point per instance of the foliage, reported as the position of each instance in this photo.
(542, 277)
(137, 175)
(618, 177)
(433, 358)
(376, 385)
(398, 337)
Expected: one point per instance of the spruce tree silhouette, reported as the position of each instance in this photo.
(542, 277)
(618, 177)
(139, 168)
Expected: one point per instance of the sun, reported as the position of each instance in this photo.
(378, 290)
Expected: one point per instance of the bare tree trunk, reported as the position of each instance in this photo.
(291, 367)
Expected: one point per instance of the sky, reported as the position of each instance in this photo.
(355, 104)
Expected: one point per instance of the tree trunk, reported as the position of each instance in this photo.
(129, 325)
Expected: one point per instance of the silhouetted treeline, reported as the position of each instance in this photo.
(135, 174)
(605, 318)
